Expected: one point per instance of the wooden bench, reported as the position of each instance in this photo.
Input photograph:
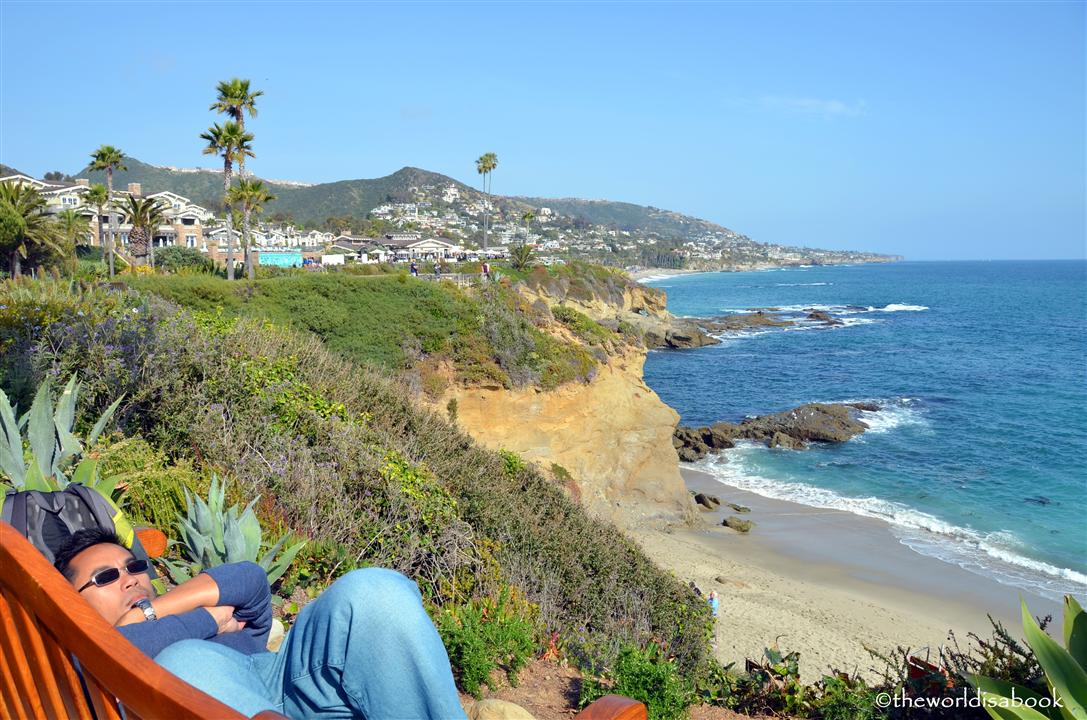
(44, 623)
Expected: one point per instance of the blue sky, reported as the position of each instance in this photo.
(933, 130)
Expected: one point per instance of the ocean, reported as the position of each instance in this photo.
(979, 455)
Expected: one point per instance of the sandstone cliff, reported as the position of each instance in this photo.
(612, 436)
(608, 441)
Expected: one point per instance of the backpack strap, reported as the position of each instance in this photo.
(15, 511)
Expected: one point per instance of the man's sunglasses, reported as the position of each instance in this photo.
(109, 575)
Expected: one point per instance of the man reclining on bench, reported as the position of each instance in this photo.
(365, 647)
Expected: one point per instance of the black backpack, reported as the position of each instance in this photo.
(47, 519)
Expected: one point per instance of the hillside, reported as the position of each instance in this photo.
(412, 199)
(310, 204)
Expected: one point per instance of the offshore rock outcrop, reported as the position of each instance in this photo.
(793, 429)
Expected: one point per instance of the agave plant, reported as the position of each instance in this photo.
(1065, 672)
(54, 449)
(212, 536)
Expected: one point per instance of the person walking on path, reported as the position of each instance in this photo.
(414, 269)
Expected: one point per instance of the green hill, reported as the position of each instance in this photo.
(308, 204)
(356, 198)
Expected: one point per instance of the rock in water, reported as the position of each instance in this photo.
(739, 508)
(781, 440)
(814, 422)
(824, 317)
(738, 524)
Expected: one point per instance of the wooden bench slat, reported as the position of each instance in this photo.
(26, 693)
(105, 705)
(10, 705)
(71, 689)
(43, 676)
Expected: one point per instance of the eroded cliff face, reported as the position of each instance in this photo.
(609, 441)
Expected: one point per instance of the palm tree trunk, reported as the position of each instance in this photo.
(112, 226)
(229, 222)
(249, 270)
(16, 265)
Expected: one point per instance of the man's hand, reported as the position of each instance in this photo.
(224, 617)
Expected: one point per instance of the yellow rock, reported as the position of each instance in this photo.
(492, 709)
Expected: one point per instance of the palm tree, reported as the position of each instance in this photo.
(232, 143)
(527, 218)
(251, 196)
(521, 256)
(486, 165)
(235, 99)
(97, 197)
(144, 214)
(75, 228)
(24, 226)
(109, 158)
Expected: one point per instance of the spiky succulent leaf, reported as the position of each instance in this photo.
(1067, 677)
(235, 542)
(34, 479)
(86, 473)
(41, 430)
(1004, 689)
(1075, 630)
(251, 532)
(276, 569)
(63, 420)
(96, 431)
(994, 706)
(11, 444)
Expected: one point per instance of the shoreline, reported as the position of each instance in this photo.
(826, 583)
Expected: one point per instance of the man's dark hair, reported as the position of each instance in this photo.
(79, 541)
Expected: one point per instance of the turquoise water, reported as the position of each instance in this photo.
(979, 456)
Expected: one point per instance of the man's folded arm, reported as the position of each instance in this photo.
(153, 637)
(245, 586)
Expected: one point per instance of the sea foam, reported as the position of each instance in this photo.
(988, 554)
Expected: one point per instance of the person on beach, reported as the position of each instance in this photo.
(714, 603)
(364, 647)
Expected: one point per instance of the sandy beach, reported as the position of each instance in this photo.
(826, 583)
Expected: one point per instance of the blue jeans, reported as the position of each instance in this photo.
(365, 647)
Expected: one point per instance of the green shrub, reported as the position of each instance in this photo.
(583, 326)
(176, 258)
(646, 676)
(317, 566)
(155, 486)
(482, 635)
(845, 698)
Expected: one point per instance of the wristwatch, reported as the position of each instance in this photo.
(148, 611)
